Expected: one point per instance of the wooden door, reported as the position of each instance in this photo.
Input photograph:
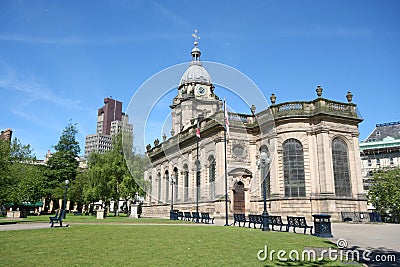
(238, 198)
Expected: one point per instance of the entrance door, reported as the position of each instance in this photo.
(238, 198)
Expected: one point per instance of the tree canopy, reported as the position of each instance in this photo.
(63, 164)
(20, 179)
(384, 192)
(108, 177)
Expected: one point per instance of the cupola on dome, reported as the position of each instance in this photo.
(196, 73)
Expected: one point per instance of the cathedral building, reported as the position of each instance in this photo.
(313, 163)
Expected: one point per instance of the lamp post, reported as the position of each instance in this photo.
(197, 182)
(171, 212)
(264, 163)
(199, 119)
(65, 196)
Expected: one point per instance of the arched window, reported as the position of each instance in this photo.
(150, 187)
(198, 179)
(159, 186)
(176, 183)
(166, 186)
(341, 172)
(293, 168)
(186, 182)
(211, 176)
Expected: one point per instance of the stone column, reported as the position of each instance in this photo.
(324, 156)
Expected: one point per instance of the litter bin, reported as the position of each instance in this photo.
(322, 225)
(173, 214)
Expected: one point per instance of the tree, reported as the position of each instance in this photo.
(108, 177)
(385, 192)
(4, 169)
(21, 180)
(63, 164)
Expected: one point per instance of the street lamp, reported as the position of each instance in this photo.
(264, 164)
(199, 119)
(171, 212)
(65, 196)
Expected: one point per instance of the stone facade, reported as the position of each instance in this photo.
(312, 146)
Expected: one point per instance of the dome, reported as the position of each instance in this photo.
(197, 74)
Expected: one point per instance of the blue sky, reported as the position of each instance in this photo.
(59, 59)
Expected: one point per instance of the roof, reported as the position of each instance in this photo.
(196, 74)
(381, 131)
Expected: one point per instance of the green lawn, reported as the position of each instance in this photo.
(70, 218)
(150, 245)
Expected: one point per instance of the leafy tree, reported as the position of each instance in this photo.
(108, 177)
(4, 170)
(385, 192)
(63, 164)
(21, 180)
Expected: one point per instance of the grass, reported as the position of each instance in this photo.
(70, 218)
(122, 244)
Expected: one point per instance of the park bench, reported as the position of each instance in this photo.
(180, 215)
(77, 213)
(297, 222)
(188, 216)
(240, 218)
(255, 219)
(58, 218)
(196, 216)
(276, 221)
(205, 218)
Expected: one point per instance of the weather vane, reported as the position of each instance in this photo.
(196, 36)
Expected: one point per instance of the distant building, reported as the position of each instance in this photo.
(381, 149)
(110, 121)
(6, 134)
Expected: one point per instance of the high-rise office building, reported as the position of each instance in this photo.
(110, 121)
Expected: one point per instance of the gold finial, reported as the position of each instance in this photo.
(196, 36)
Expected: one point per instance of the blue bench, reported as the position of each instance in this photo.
(276, 221)
(297, 222)
(205, 218)
(58, 218)
(239, 218)
(255, 219)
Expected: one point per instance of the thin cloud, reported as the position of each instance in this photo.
(321, 31)
(83, 41)
(171, 15)
(33, 91)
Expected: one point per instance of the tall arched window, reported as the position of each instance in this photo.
(159, 187)
(150, 187)
(341, 172)
(176, 183)
(166, 186)
(186, 182)
(293, 168)
(211, 176)
(198, 179)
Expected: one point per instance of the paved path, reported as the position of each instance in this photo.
(23, 226)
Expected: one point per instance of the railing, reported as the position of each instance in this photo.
(310, 108)
(290, 106)
(337, 106)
